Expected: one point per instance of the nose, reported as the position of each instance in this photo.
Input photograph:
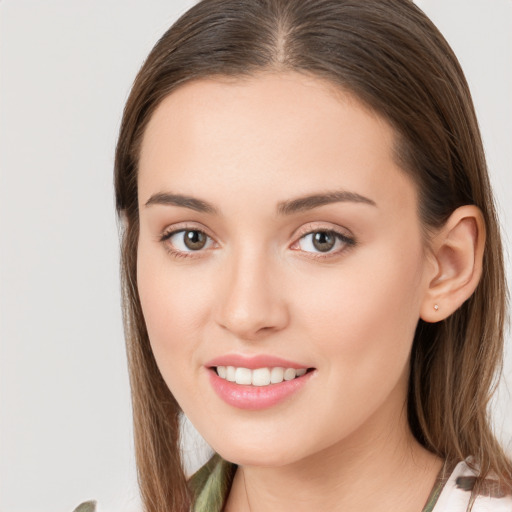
(251, 302)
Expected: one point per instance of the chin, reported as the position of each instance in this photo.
(263, 453)
(261, 457)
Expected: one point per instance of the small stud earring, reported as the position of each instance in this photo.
(436, 307)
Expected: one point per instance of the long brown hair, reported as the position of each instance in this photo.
(390, 56)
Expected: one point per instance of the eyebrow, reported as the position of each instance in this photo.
(192, 203)
(289, 207)
(316, 200)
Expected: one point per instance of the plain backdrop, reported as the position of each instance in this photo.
(65, 71)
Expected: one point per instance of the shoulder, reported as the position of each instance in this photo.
(459, 491)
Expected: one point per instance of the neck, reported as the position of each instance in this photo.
(380, 467)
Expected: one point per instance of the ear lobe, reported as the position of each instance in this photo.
(458, 250)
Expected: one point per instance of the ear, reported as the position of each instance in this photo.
(457, 250)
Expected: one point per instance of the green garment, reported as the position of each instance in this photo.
(211, 485)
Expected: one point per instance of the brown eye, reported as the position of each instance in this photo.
(324, 241)
(194, 240)
(187, 241)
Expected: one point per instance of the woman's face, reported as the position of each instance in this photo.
(277, 231)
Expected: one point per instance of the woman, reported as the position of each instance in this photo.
(312, 264)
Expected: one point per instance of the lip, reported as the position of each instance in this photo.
(253, 362)
(256, 397)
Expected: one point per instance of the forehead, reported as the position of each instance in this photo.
(288, 130)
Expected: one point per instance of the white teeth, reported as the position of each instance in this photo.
(230, 373)
(290, 374)
(276, 375)
(243, 376)
(259, 376)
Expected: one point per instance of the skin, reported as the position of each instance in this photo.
(259, 286)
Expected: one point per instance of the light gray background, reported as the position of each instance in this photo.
(65, 71)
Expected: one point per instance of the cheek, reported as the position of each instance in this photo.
(365, 313)
(175, 311)
(360, 325)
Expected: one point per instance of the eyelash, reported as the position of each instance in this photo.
(177, 253)
(348, 242)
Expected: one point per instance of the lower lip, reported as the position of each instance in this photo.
(256, 397)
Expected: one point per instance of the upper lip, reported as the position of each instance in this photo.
(253, 362)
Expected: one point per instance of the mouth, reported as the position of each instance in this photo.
(257, 381)
(258, 388)
(259, 377)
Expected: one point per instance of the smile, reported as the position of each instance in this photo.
(258, 388)
(258, 376)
